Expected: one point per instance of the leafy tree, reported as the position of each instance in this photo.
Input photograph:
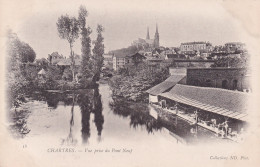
(85, 43)
(18, 53)
(68, 28)
(239, 62)
(42, 63)
(27, 54)
(133, 81)
(98, 52)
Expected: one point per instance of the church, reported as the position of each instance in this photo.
(148, 43)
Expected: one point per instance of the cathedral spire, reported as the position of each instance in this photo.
(147, 36)
(156, 38)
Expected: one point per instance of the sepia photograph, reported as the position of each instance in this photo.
(129, 83)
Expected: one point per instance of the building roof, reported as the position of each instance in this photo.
(67, 62)
(216, 68)
(165, 85)
(119, 56)
(221, 101)
(177, 56)
(156, 50)
(42, 72)
(191, 43)
(194, 60)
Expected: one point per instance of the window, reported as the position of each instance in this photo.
(224, 84)
(208, 83)
(234, 86)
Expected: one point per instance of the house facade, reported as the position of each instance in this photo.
(119, 61)
(192, 47)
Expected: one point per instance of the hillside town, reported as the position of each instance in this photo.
(207, 85)
(197, 83)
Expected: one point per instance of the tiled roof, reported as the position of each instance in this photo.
(165, 85)
(221, 101)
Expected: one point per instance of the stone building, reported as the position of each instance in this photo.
(226, 78)
(119, 61)
(192, 47)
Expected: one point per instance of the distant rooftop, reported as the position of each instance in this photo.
(216, 68)
(189, 43)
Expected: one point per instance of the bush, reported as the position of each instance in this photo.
(133, 81)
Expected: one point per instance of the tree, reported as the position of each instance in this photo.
(85, 43)
(18, 72)
(27, 54)
(68, 28)
(242, 62)
(98, 52)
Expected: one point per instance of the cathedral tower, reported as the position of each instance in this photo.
(147, 36)
(156, 38)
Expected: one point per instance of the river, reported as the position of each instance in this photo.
(93, 118)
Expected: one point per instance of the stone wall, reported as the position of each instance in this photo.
(227, 78)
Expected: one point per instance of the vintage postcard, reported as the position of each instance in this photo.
(129, 83)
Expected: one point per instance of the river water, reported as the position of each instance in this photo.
(93, 118)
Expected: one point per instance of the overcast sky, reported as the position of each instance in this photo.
(124, 21)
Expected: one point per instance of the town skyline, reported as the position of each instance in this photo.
(121, 28)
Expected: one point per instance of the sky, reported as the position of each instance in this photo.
(124, 21)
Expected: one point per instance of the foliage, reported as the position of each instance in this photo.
(18, 53)
(133, 81)
(54, 72)
(68, 28)
(98, 52)
(42, 63)
(85, 44)
(239, 62)
(27, 54)
(67, 74)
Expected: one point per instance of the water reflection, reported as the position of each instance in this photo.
(71, 140)
(91, 103)
(85, 107)
(83, 114)
(138, 113)
(97, 110)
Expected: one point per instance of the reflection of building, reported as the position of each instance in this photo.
(192, 47)
(148, 43)
(227, 78)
